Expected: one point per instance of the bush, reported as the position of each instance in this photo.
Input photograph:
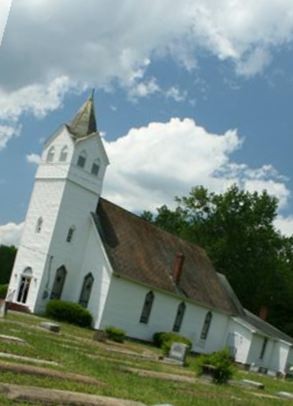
(222, 362)
(70, 312)
(115, 334)
(165, 340)
(3, 291)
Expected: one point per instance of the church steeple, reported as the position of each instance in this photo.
(84, 122)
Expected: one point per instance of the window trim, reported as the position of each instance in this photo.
(39, 225)
(147, 307)
(63, 154)
(51, 154)
(24, 285)
(263, 348)
(61, 272)
(96, 164)
(206, 325)
(179, 317)
(85, 293)
(83, 157)
(70, 234)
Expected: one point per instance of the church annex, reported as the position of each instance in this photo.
(79, 247)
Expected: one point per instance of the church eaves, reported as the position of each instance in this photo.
(84, 122)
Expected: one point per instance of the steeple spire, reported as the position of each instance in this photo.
(84, 122)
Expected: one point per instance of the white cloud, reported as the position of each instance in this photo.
(176, 94)
(5, 6)
(10, 233)
(144, 89)
(180, 154)
(35, 99)
(6, 133)
(118, 43)
(33, 159)
(285, 225)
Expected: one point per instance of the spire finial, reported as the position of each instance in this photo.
(84, 122)
(92, 94)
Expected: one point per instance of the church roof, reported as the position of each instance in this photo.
(144, 253)
(265, 327)
(84, 122)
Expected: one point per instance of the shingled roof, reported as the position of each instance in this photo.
(84, 122)
(144, 253)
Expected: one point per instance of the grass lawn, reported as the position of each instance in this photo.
(75, 351)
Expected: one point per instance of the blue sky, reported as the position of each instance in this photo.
(193, 93)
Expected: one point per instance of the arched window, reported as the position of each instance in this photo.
(39, 225)
(206, 326)
(81, 160)
(147, 307)
(63, 154)
(58, 283)
(95, 167)
(70, 234)
(179, 317)
(24, 285)
(51, 154)
(86, 290)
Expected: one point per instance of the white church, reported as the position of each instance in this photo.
(79, 247)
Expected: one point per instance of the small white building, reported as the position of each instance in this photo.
(79, 247)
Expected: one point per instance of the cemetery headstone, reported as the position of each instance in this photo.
(100, 335)
(3, 308)
(47, 325)
(178, 352)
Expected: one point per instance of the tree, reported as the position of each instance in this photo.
(236, 229)
(7, 257)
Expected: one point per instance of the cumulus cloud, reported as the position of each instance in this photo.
(5, 6)
(180, 154)
(118, 43)
(33, 158)
(285, 225)
(150, 165)
(6, 133)
(10, 234)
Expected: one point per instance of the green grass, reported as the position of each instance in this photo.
(75, 351)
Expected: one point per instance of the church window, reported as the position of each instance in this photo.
(263, 348)
(95, 167)
(81, 159)
(63, 154)
(86, 290)
(70, 234)
(39, 225)
(51, 154)
(24, 285)
(58, 283)
(206, 326)
(147, 307)
(179, 317)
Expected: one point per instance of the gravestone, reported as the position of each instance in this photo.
(254, 368)
(252, 384)
(54, 327)
(3, 308)
(100, 335)
(177, 353)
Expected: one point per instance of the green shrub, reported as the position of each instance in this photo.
(222, 362)
(115, 334)
(165, 340)
(3, 291)
(70, 312)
